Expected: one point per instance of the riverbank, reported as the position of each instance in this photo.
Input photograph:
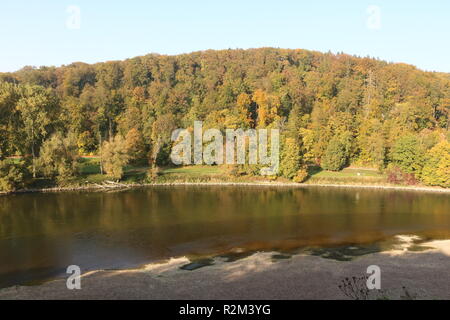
(136, 177)
(118, 186)
(405, 274)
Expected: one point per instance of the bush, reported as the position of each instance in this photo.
(232, 170)
(248, 169)
(301, 176)
(163, 156)
(395, 175)
(153, 174)
(13, 176)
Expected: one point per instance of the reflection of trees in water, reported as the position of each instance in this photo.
(172, 220)
(271, 208)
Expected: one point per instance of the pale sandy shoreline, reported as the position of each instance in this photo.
(224, 184)
(424, 274)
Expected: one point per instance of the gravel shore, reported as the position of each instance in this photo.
(96, 187)
(424, 274)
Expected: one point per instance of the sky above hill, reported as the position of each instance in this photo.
(50, 32)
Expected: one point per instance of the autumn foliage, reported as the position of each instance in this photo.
(336, 109)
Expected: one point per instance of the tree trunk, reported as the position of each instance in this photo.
(32, 153)
(110, 129)
(100, 149)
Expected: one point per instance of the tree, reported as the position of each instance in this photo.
(436, 171)
(290, 159)
(408, 154)
(109, 105)
(77, 77)
(59, 157)
(336, 155)
(135, 145)
(13, 176)
(371, 143)
(161, 134)
(294, 124)
(37, 112)
(114, 156)
(267, 108)
(9, 138)
(238, 116)
(301, 176)
(368, 103)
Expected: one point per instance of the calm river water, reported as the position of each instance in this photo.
(41, 234)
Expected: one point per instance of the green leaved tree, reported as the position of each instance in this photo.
(13, 175)
(38, 110)
(59, 158)
(436, 171)
(290, 158)
(115, 157)
(337, 152)
(408, 153)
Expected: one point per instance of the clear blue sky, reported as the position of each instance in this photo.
(35, 32)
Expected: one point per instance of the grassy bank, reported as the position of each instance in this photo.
(346, 176)
(317, 176)
(90, 177)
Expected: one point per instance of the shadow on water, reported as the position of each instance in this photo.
(346, 252)
(234, 256)
(31, 277)
(339, 253)
(343, 253)
(42, 234)
(197, 264)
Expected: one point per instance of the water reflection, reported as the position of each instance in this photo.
(41, 234)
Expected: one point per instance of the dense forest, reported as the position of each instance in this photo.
(333, 110)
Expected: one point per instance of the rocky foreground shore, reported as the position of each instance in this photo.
(405, 274)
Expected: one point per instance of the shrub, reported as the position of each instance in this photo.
(301, 175)
(395, 175)
(232, 170)
(248, 169)
(153, 174)
(163, 155)
(13, 176)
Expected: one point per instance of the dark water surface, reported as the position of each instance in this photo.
(41, 234)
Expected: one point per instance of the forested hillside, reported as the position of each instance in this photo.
(333, 110)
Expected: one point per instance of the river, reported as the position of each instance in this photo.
(43, 233)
